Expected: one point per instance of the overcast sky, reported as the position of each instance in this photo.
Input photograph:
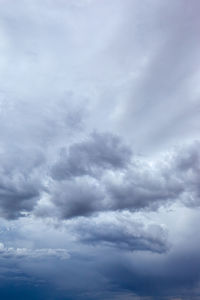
(99, 150)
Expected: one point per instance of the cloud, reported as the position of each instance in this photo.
(121, 232)
(89, 183)
(22, 253)
(53, 110)
(98, 174)
(97, 153)
(187, 166)
(76, 198)
(93, 97)
(18, 195)
(20, 188)
(177, 273)
(171, 178)
(161, 89)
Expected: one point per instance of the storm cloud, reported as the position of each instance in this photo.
(99, 150)
(97, 153)
(122, 232)
(137, 185)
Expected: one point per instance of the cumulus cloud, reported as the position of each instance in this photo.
(92, 156)
(97, 174)
(76, 198)
(53, 116)
(171, 178)
(140, 184)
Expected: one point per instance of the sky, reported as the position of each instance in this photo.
(99, 150)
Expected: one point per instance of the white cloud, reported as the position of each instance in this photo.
(11, 252)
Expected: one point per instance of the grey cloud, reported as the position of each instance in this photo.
(187, 167)
(20, 183)
(145, 187)
(172, 178)
(137, 194)
(110, 273)
(177, 271)
(98, 174)
(92, 156)
(76, 198)
(18, 195)
(94, 178)
(15, 202)
(65, 75)
(142, 185)
(46, 112)
(122, 233)
(27, 133)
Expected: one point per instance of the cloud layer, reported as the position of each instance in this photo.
(99, 150)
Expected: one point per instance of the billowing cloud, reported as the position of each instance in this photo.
(92, 156)
(74, 199)
(137, 185)
(98, 174)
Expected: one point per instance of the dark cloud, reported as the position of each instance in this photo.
(22, 174)
(146, 192)
(89, 116)
(174, 276)
(98, 174)
(122, 233)
(20, 187)
(90, 157)
(15, 202)
(73, 198)
(92, 180)
(111, 273)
